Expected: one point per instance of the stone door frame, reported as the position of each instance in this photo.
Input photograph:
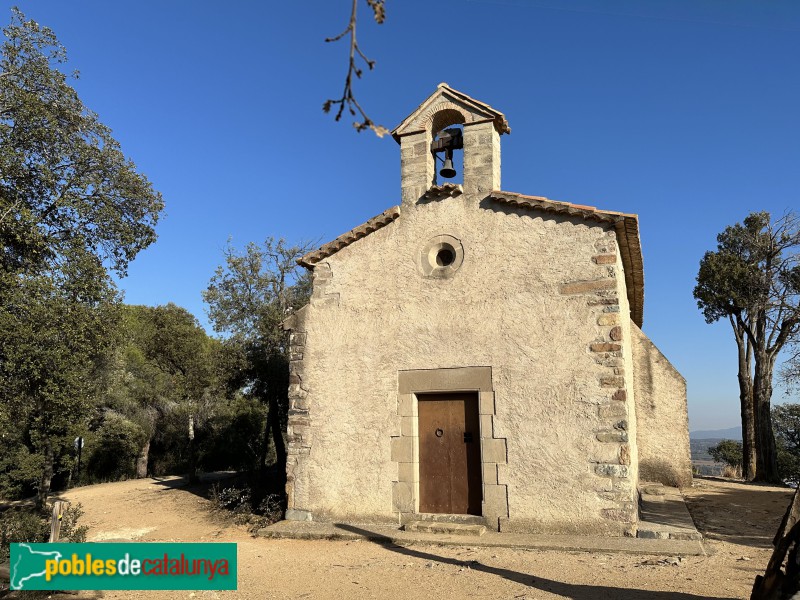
(405, 446)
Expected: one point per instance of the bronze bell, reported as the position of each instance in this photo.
(448, 171)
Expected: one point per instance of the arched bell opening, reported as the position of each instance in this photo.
(447, 134)
(447, 148)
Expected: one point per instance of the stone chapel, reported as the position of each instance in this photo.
(476, 353)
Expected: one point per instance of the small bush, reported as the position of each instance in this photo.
(26, 524)
(70, 530)
(21, 525)
(732, 472)
(269, 511)
(231, 498)
(238, 502)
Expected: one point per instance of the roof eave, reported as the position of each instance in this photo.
(310, 259)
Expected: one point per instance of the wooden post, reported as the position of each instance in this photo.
(55, 524)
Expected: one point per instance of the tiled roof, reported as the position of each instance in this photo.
(480, 111)
(625, 225)
(310, 259)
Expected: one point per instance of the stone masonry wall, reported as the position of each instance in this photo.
(537, 300)
(662, 416)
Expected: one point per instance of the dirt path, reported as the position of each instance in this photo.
(738, 521)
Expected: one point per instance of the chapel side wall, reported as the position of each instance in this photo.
(536, 301)
(662, 416)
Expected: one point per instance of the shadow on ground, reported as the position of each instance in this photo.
(567, 590)
(748, 515)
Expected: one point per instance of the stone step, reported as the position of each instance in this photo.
(446, 518)
(663, 514)
(445, 528)
(657, 532)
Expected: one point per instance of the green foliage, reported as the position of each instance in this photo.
(166, 373)
(788, 464)
(248, 299)
(22, 525)
(232, 437)
(19, 469)
(728, 452)
(786, 424)
(71, 204)
(30, 525)
(63, 177)
(56, 329)
(114, 449)
(753, 280)
(70, 530)
(144, 386)
(731, 279)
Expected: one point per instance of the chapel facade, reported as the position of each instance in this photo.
(478, 352)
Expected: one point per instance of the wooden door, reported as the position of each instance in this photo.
(449, 454)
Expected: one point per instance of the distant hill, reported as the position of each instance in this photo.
(732, 433)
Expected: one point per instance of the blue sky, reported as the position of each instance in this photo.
(685, 112)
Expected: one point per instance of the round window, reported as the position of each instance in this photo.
(441, 257)
(445, 257)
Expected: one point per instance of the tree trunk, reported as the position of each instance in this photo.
(746, 404)
(193, 477)
(47, 475)
(277, 434)
(767, 463)
(142, 459)
(265, 445)
(273, 430)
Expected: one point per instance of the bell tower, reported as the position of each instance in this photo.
(480, 140)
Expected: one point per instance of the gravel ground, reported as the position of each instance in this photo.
(737, 520)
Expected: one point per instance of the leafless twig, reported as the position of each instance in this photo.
(348, 100)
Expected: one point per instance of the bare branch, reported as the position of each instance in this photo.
(348, 100)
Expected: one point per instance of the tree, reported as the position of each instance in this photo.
(63, 177)
(753, 280)
(786, 423)
(728, 452)
(165, 367)
(790, 374)
(719, 271)
(71, 205)
(248, 298)
(55, 331)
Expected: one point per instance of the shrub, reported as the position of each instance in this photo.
(25, 524)
(19, 471)
(238, 502)
(21, 525)
(70, 530)
(728, 452)
(231, 498)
